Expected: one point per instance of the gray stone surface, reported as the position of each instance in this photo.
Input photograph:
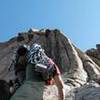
(78, 68)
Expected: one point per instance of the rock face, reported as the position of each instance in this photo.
(77, 67)
(94, 54)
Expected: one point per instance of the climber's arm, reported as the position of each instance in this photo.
(59, 82)
(60, 85)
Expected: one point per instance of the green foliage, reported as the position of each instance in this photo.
(20, 37)
(30, 36)
(56, 31)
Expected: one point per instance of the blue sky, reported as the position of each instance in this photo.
(78, 19)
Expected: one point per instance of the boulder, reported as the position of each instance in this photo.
(77, 67)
